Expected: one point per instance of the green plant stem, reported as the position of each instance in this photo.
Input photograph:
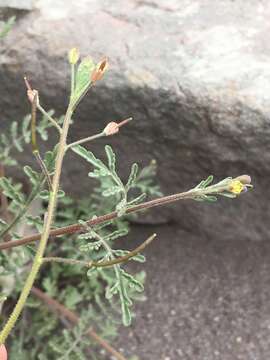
(72, 84)
(43, 168)
(46, 231)
(89, 264)
(70, 229)
(44, 112)
(82, 141)
(117, 271)
(24, 209)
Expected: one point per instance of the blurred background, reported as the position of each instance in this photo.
(195, 76)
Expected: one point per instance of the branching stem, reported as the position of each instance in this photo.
(87, 139)
(48, 116)
(45, 234)
(70, 229)
(24, 209)
(114, 261)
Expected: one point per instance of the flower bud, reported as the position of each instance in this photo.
(32, 94)
(99, 71)
(111, 129)
(245, 179)
(73, 56)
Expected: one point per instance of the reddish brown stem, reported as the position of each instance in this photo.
(70, 229)
(4, 203)
(74, 319)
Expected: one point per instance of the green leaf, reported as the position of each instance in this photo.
(49, 160)
(14, 129)
(49, 286)
(210, 198)
(126, 314)
(44, 195)
(132, 281)
(82, 78)
(32, 174)
(112, 191)
(121, 207)
(139, 257)
(93, 246)
(89, 156)
(12, 191)
(204, 183)
(111, 291)
(73, 297)
(111, 158)
(35, 221)
(116, 234)
(25, 129)
(60, 194)
(137, 200)
(7, 26)
(228, 195)
(133, 176)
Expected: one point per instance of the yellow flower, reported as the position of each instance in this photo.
(236, 187)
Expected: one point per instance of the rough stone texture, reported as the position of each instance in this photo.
(17, 4)
(207, 299)
(195, 75)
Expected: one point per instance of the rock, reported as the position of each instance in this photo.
(17, 4)
(199, 292)
(195, 76)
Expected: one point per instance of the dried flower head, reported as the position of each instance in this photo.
(32, 94)
(111, 129)
(99, 71)
(245, 179)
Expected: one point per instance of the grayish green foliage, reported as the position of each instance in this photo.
(6, 26)
(105, 293)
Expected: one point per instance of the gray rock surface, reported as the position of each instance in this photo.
(194, 74)
(17, 4)
(207, 299)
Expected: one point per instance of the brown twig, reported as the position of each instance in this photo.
(4, 203)
(71, 229)
(90, 264)
(74, 319)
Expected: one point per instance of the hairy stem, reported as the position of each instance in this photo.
(82, 141)
(48, 116)
(45, 234)
(74, 319)
(4, 203)
(71, 229)
(89, 264)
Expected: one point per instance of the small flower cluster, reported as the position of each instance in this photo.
(240, 184)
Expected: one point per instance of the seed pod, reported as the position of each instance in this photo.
(99, 71)
(111, 129)
(32, 95)
(244, 179)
